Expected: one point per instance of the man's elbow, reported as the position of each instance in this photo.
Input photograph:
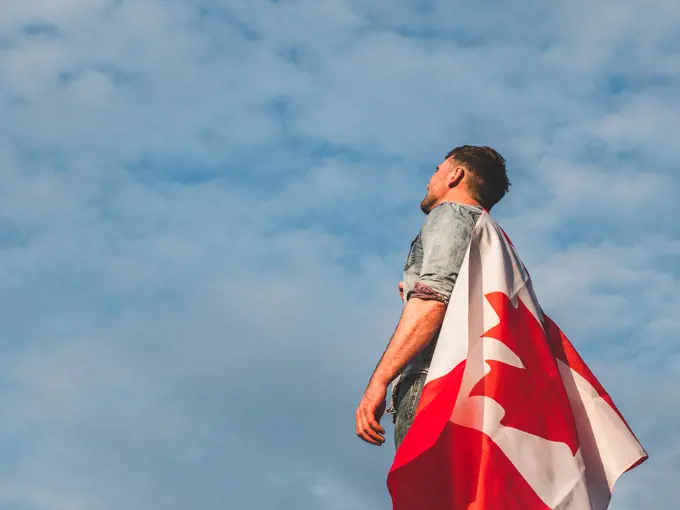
(425, 292)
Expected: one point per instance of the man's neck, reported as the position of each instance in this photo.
(461, 198)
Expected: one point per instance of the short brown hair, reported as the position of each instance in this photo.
(487, 178)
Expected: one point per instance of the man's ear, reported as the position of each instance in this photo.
(456, 176)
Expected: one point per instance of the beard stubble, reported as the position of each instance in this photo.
(428, 203)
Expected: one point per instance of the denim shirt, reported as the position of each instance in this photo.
(432, 266)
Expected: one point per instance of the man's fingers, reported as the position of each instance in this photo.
(366, 437)
(371, 427)
(375, 424)
(364, 430)
(374, 418)
(368, 416)
(369, 439)
(360, 427)
(371, 436)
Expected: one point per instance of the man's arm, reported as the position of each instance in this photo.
(419, 322)
(445, 236)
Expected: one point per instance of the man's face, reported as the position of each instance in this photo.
(438, 187)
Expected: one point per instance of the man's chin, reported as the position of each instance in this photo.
(427, 205)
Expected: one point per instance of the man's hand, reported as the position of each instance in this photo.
(371, 409)
(419, 322)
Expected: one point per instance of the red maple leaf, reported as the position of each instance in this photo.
(533, 397)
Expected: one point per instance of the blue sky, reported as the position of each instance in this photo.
(205, 207)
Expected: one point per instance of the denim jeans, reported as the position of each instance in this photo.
(407, 396)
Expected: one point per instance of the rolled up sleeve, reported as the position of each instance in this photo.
(445, 236)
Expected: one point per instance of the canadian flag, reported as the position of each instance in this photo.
(510, 416)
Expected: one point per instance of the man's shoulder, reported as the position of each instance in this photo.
(453, 212)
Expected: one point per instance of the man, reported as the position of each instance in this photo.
(470, 180)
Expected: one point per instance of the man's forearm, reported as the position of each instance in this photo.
(419, 322)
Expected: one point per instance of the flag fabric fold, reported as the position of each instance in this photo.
(510, 416)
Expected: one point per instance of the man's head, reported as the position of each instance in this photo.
(469, 174)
